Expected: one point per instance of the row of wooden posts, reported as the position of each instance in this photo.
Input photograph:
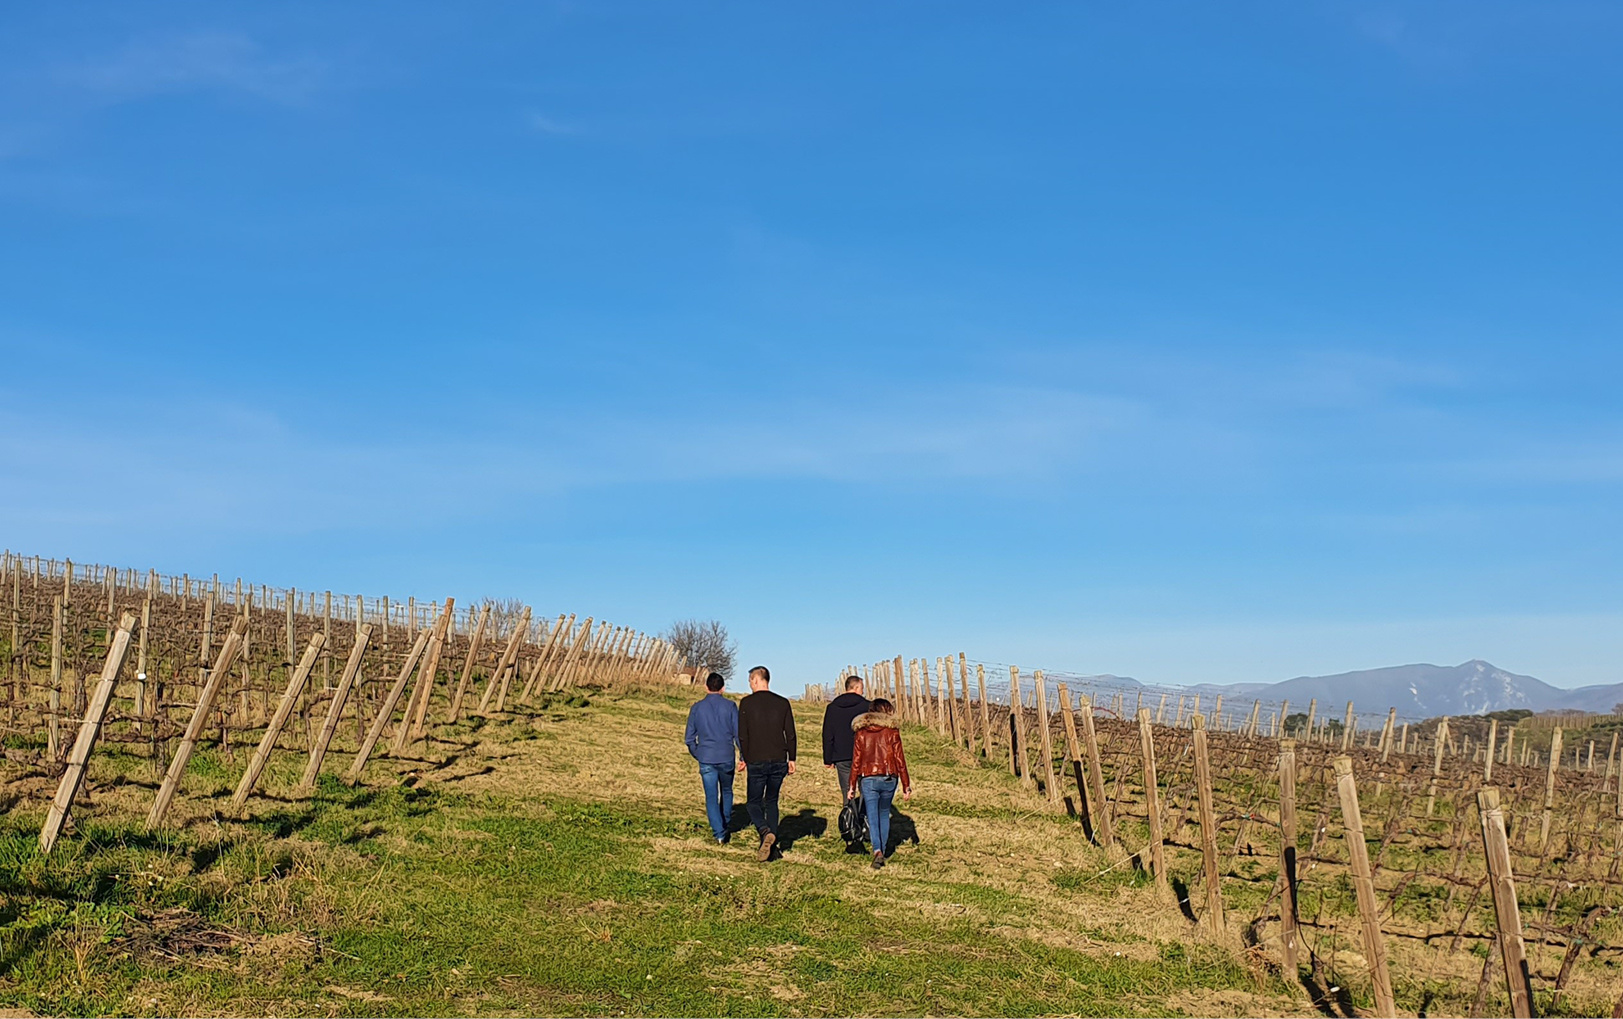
(566, 656)
(947, 705)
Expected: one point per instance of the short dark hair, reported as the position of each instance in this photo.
(881, 705)
(853, 681)
(761, 670)
(714, 682)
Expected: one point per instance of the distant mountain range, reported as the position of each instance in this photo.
(1417, 691)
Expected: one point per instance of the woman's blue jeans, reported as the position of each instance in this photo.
(877, 792)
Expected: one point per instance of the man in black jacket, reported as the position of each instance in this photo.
(766, 742)
(837, 734)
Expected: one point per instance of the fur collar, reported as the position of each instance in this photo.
(885, 720)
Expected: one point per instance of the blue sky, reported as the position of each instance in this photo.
(1192, 342)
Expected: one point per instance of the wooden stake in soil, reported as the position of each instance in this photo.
(1437, 766)
(1493, 745)
(1073, 755)
(506, 662)
(1347, 729)
(53, 738)
(352, 668)
(548, 652)
(1045, 742)
(141, 654)
(290, 697)
(1287, 856)
(1506, 911)
(1549, 788)
(467, 665)
(986, 716)
(89, 729)
(200, 716)
(414, 726)
(1368, 906)
(1105, 826)
(1208, 826)
(1017, 735)
(326, 640)
(1152, 801)
(966, 712)
(386, 709)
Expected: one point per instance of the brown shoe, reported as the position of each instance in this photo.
(764, 853)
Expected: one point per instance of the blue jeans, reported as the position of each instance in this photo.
(718, 795)
(764, 780)
(877, 793)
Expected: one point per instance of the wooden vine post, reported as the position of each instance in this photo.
(1045, 741)
(386, 709)
(1507, 914)
(53, 727)
(1493, 745)
(1437, 766)
(200, 716)
(1152, 801)
(335, 710)
(413, 726)
(1364, 884)
(1073, 754)
(1017, 734)
(1287, 856)
(1105, 826)
(89, 729)
(505, 663)
(467, 665)
(545, 658)
(1549, 788)
(967, 713)
(986, 712)
(284, 709)
(1208, 826)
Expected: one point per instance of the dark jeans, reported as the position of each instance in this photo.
(877, 793)
(843, 770)
(764, 780)
(718, 795)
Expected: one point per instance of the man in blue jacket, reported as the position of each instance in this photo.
(712, 739)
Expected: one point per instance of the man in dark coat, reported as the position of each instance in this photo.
(837, 734)
(766, 742)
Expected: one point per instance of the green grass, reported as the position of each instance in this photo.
(407, 900)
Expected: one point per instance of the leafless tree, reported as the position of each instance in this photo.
(504, 615)
(704, 646)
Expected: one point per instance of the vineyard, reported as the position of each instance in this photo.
(212, 661)
(1411, 869)
(416, 808)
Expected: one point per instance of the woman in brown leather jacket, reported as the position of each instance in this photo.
(877, 765)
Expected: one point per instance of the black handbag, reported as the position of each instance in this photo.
(853, 822)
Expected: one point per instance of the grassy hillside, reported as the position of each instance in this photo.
(560, 864)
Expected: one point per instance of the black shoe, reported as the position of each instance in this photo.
(878, 861)
(764, 853)
(722, 840)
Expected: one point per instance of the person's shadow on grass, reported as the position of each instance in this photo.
(800, 825)
(902, 829)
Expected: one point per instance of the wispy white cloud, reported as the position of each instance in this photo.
(198, 60)
(544, 124)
